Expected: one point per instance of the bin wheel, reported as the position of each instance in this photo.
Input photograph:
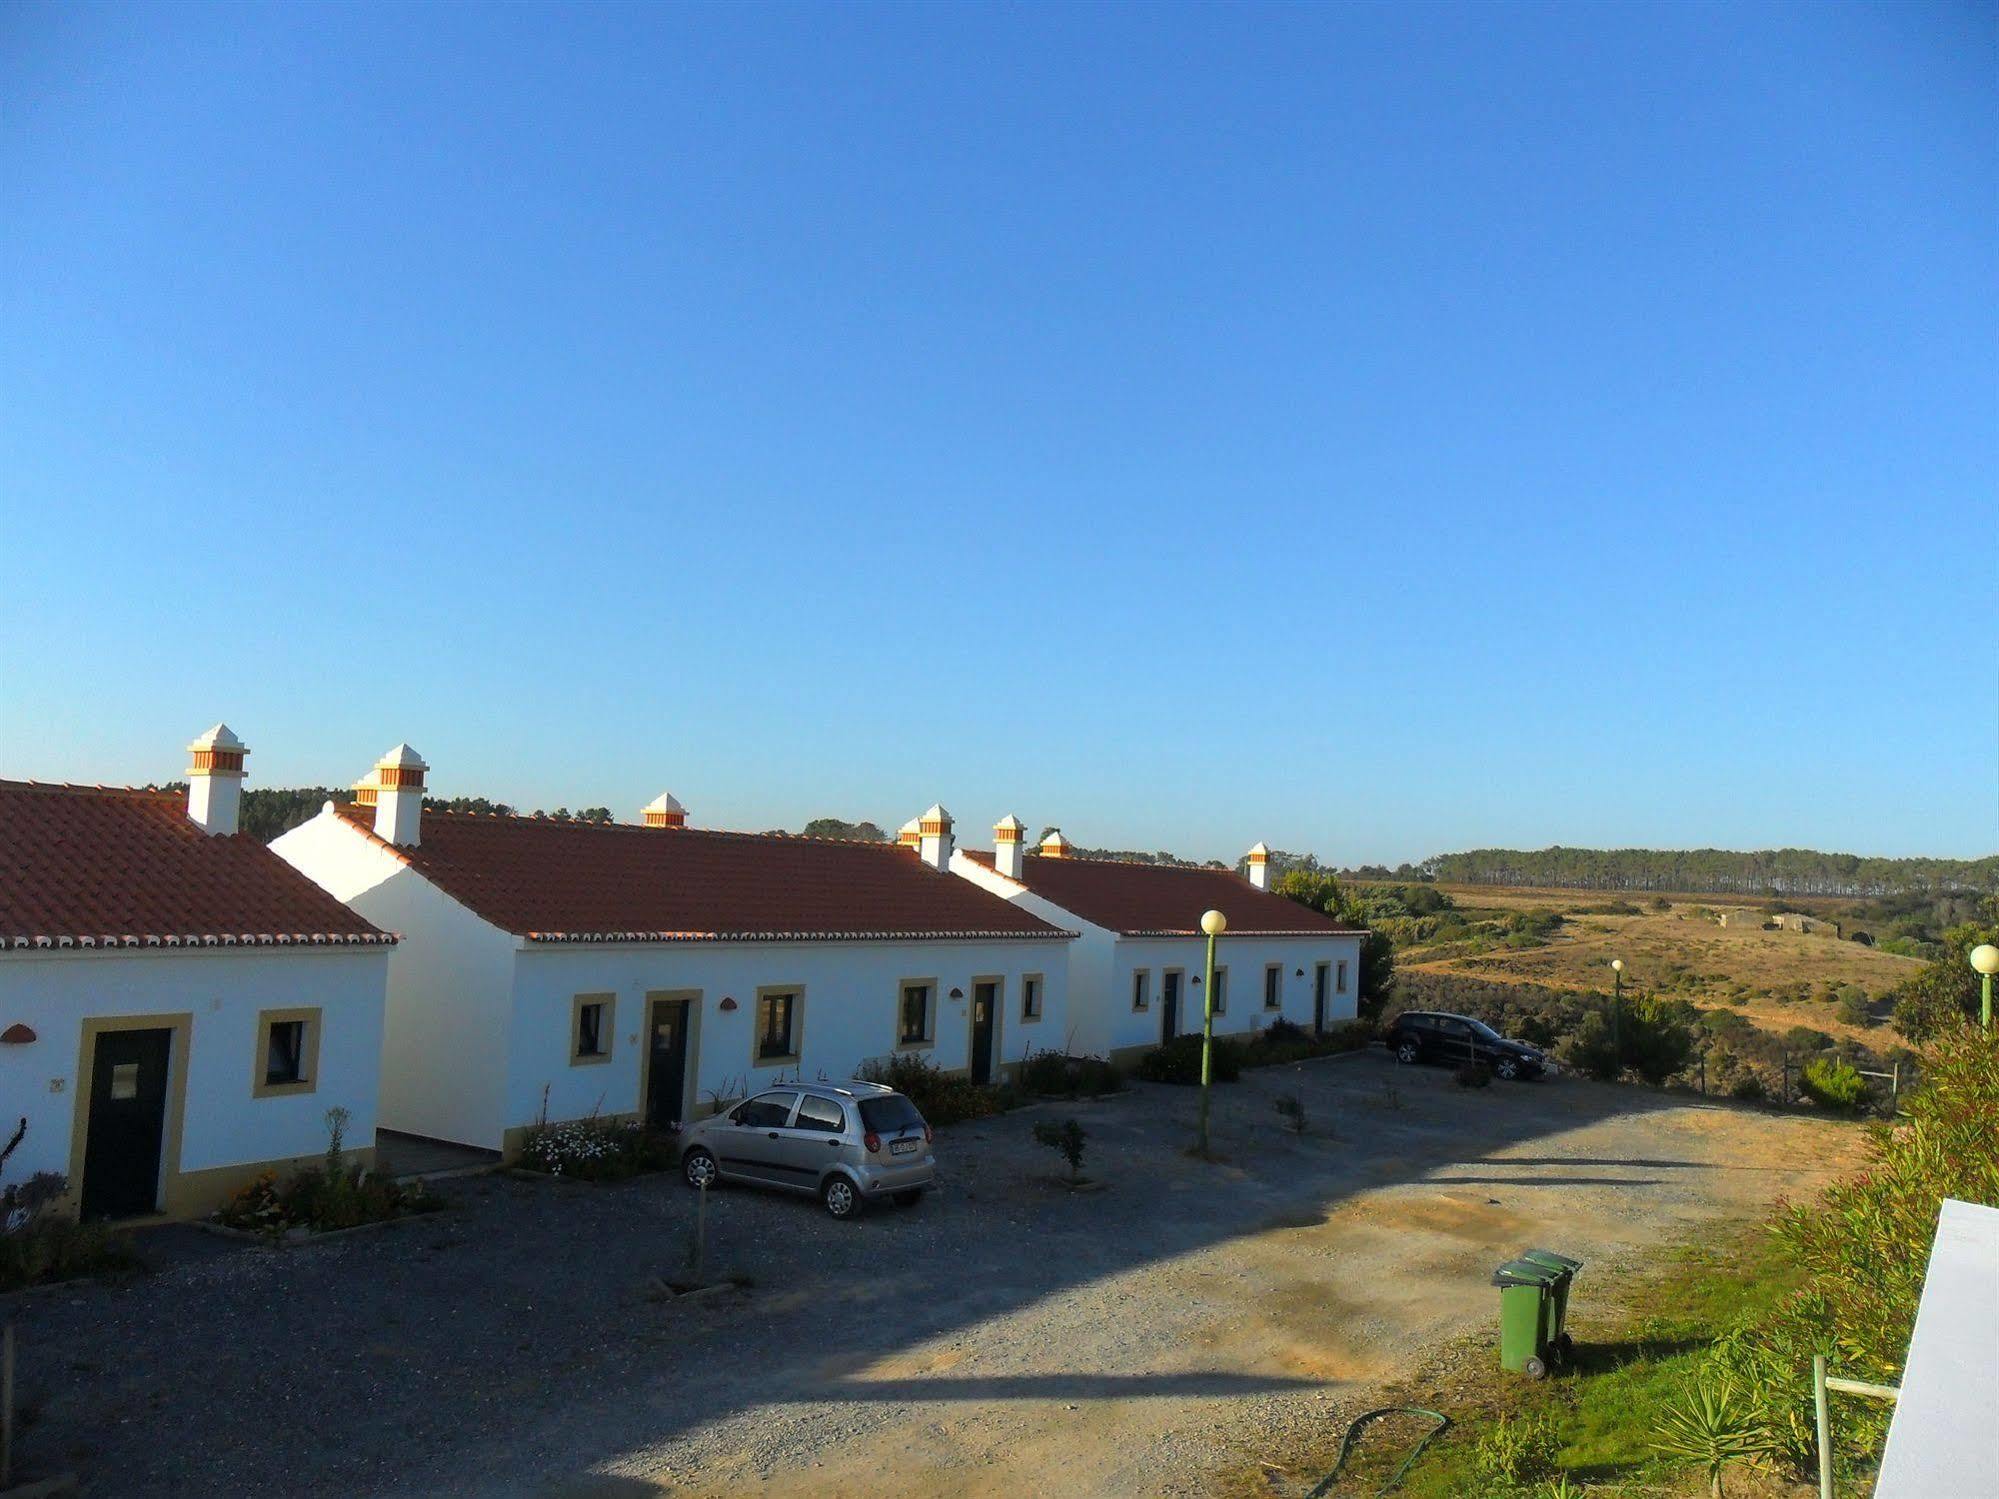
(1566, 1347)
(1536, 1369)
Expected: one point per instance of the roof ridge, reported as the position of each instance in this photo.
(87, 788)
(545, 821)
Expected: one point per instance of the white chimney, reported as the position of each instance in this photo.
(399, 797)
(934, 845)
(215, 781)
(664, 811)
(1009, 856)
(911, 834)
(1055, 846)
(1259, 867)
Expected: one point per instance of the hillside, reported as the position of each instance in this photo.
(1783, 871)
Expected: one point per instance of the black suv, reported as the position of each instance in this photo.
(1432, 1036)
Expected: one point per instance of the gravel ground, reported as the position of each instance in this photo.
(1006, 1335)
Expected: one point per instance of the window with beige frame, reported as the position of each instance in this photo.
(1141, 988)
(592, 1024)
(779, 1037)
(287, 1053)
(916, 1015)
(1221, 995)
(1030, 996)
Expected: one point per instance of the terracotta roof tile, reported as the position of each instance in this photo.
(1164, 900)
(554, 881)
(97, 866)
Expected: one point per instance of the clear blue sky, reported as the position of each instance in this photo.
(1375, 429)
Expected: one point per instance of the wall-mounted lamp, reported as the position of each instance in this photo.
(726, 1004)
(957, 993)
(17, 1034)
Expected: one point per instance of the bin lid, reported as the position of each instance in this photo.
(1526, 1273)
(1549, 1257)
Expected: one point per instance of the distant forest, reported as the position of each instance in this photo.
(1782, 871)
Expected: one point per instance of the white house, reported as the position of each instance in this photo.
(563, 969)
(1135, 972)
(179, 1008)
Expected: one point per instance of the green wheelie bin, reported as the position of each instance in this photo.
(1560, 1341)
(1526, 1316)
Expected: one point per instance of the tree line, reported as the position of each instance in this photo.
(1782, 871)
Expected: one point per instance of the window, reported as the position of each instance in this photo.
(917, 1023)
(1340, 983)
(821, 1114)
(1030, 996)
(592, 1019)
(1141, 988)
(284, 1059)
(1221, 994)
(1273, 986)
(766, 1111)
(287, 1053)
(779, 1025)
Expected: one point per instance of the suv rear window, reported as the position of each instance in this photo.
(884, 1116)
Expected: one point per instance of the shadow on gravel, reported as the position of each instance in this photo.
(1065, 1387)
(514, 1344)
(1543, 1181)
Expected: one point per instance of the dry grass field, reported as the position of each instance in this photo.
(1776, 978)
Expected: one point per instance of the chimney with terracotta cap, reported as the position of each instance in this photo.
(664, 811)
(1009, 856)
(934, 837)
(399, 796)
(215, 781)
(1259, 867)
(1055, 846)
(911, 835)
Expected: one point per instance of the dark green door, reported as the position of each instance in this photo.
(1169, 1007)
(985, 1017)
(666, 1072)
(127, 1123)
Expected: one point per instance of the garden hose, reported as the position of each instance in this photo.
(1354, 1429)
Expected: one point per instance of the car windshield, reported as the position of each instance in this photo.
(1480, 1028)
(887, 1116)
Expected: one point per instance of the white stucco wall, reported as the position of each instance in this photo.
(450, 985)
(851, 989)
(222, 990)
(1245, 959)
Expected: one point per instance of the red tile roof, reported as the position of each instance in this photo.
(1165, 900)
(97, 866)
(556, 881)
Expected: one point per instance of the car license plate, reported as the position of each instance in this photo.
(902, 1147)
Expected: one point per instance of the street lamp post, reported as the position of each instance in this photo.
(1617, 1012)
(1985, 959)
(1214, 924)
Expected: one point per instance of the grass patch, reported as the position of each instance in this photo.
(1603, 1409)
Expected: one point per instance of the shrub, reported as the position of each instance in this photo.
(1473, 1075)
(940, 1097)
(1864, 1248)
(1066, 1138)
(1055, 1074)
(1286, 1032)
(1711, 1423)
(1281, 1042)
(1291, 1108)
(1853, 1010)
(595, 1149)
(1749, 1088)
(321, 1201)
(1832, 1084)
(1517, 1450)
(1179, 1061)
(37, 1247)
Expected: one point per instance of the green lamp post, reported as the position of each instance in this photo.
(1985, 959)
(1617, 1011)
(1214, 924)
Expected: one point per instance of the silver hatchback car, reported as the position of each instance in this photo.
(846, 1143)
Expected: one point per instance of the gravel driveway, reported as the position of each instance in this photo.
(1006, 1335)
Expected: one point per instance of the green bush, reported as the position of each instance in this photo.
(1067, 1139)
(1283, 1041)
(1832, 1084)
(1473, 1075)
(1179, 1061)
(42, 1247)
(1652, 1037)
(1853, 1010)
(940, 1097)
(1055, 1074)
(1517, 1450)
(596, 1149)
(1864, 1247)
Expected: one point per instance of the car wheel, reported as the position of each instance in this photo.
(842, 1198)
(909, 1197)
(699, 1168)
(1536, 1369)
(1408, 1051)
(1508, 1069)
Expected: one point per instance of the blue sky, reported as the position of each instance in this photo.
(1375, 429)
